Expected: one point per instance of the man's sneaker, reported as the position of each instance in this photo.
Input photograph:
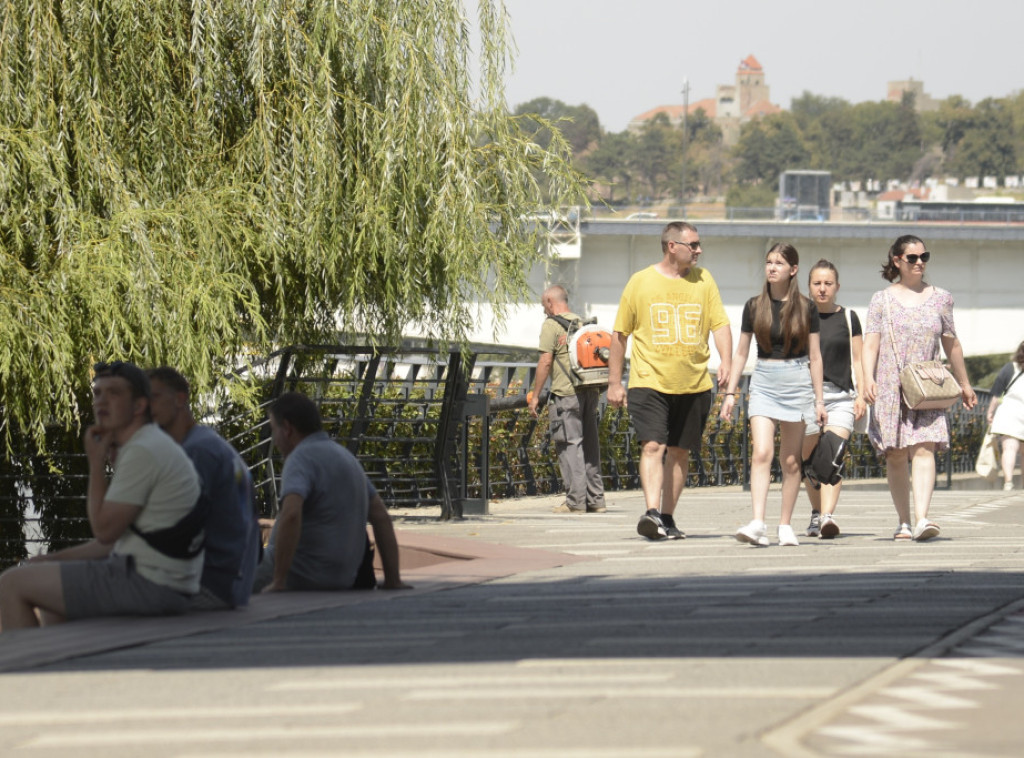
(829, 527)
(1007, 486)
(755, 533)
(787, 537)
(651, 526)
(814, 528)
(596, 509)
(671, 530)
(925, 530)
(564, 508)
(903, 533)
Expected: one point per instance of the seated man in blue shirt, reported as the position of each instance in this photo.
(232, 533)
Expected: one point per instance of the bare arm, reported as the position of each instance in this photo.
(108, 520)
(955, 352)
(616, 363)
(544, 364)
(869, 359)
(81, 552)
(817, 377)
(859, 405)
(992, 405)
(386, 541)
(723, 344)
(739, 360)
(286, 539)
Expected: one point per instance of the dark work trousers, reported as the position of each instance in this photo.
(574, 432)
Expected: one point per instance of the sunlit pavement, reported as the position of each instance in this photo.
(536, 634)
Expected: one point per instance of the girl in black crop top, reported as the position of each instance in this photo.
(786, 387)
(841, 341)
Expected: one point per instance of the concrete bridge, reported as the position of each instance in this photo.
(981, 264)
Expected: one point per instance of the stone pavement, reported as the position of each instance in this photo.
(536, 634)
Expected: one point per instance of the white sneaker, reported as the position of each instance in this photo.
(755, 533)
(787, 538)
(1007, 486)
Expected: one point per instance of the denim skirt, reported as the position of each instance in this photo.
(839, 404)
(782, 390)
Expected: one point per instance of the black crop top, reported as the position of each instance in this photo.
(778, 344)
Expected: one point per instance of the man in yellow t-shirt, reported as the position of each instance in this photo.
(574, 411)
(670, 309)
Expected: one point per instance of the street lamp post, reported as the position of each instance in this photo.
(686, 107)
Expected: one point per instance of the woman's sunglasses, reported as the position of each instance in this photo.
(913, 258)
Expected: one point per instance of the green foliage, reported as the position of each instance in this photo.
(982, 369)
(194, 183)
(769, 146)
(751, 196)
(578, 124)
(983, 143)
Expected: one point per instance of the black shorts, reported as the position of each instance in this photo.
(673, 420)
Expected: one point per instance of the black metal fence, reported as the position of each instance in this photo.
(446, 430)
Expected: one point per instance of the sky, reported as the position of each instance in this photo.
(624, 57)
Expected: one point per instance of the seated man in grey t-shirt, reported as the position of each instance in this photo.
(319, 537)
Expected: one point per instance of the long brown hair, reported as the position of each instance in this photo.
(795, 323)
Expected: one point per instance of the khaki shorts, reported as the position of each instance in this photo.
(112, 587)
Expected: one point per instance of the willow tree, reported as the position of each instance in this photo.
(191, 181)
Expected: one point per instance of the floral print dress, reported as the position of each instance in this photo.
(917, 330)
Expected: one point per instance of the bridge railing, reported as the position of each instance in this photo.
(445, 430)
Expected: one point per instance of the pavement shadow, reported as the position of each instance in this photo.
(870, 614)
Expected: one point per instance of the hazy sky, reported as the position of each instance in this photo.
(623, 57)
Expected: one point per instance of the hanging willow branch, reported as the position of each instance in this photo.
(194, 181)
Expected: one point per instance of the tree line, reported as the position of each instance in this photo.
(855, 142)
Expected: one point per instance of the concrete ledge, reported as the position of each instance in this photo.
(429, 563)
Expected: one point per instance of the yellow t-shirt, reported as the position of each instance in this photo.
(670, 320)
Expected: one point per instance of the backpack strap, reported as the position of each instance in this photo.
(562, 321)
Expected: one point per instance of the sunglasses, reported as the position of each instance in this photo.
(913, 258)
(694, 246)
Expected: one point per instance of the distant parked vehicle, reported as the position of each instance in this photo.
(640, 215)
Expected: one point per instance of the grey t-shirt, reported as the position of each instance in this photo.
(336, 494)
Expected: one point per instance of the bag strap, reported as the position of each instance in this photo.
(892, 334)
(849, 329)
(1015, 378)
(562, 321)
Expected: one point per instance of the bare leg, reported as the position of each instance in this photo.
(792, 438)
(677, 466)
(923, 464)
(762, 434)
(25, 588)
(1011, 447)
(897, 472)
(652, 472)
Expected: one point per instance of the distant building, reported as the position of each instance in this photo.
(732, 105)
(923, 102)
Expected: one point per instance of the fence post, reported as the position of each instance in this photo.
(456, 387)
(475, 405)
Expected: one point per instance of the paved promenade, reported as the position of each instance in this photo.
(531, 634)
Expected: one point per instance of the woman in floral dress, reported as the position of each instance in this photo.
(918, 316)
